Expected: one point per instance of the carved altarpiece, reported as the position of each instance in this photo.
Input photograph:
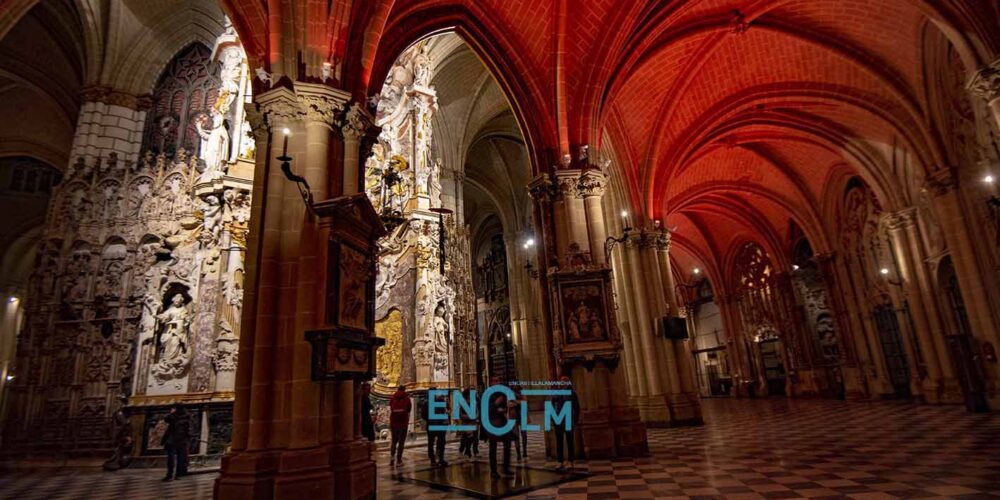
(139, 280)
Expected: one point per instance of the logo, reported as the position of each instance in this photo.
(555, 412)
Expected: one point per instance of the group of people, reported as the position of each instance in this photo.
(499, 411)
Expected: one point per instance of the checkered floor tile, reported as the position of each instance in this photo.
(747, 449)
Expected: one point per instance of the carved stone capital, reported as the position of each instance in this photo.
(541, 188)
(591, 183)
(940, 181)
(258, 125)
(356, 122)
(320, 103)
(278, 106)
(986, 82)
(900, 219)
(566, 182)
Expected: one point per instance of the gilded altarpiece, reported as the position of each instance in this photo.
(424, 306)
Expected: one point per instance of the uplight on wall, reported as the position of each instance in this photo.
(12, 299)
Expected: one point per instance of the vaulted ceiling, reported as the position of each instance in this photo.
(728, 119)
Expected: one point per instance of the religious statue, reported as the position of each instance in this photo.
(214, 146)
(175, 325)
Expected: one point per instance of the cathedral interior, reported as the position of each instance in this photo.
(760, 239)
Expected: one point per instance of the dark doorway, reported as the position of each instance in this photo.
(892, 349)
(961, 343)
(774, 367)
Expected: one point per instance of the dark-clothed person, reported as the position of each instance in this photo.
(367, 422)
(399, 422)
(469, 443)
(175, 442)
(435, 438)
(562, 435)
(497, 413)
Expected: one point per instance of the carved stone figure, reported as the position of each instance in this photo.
(175, 329)
(214, 147)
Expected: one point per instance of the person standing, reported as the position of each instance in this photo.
(497, 413)
(399, 422)
(469, 439)
(175, 442)
(514, 413)
(523, 402)
(367, 424)
(562, 434)
(435, 438)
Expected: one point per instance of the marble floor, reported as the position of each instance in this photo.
(747, 449)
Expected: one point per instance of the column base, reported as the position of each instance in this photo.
(945, 391)
(685, 409)
(653, 411)
(247, 475)
(854, 384)
(630, 433)
(598, 443)
(340, 471)
(804, 385)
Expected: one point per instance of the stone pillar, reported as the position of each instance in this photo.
(109, 122)
(293, 437)
(591, 188)
(355, 126)
(574, 213)
(942, 185)
(739, 358)
(940, 384)
(852, 376)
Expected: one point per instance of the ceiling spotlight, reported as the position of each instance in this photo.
(988, 179)
(884, 271)
(696, 271)
(795, 267)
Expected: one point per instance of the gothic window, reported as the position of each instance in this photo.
(753, 267)
(184, 94)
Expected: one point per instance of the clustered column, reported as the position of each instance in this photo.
(292, 436)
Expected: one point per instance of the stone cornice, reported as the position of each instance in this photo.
(107, 95)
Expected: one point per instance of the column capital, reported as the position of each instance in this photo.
(940, 181)
(258, 124)
(357, 121)
(900, 219)
(985, 83)
(541, 188)
(591, 183)
(566, 182)
(320, 103)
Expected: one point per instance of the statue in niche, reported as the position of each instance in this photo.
(175, 325)
(441, 332)
(214, 145)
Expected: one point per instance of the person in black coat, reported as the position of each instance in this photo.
(175, 442)
(563, 435)
(435, 439)
(497, 412)
(367, 422)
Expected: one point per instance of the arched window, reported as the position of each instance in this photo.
(184, 94)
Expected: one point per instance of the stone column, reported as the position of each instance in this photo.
(574, 213)
(293, 437)
(109, 122)
(852, 376)
(940, 384)
(942, 185)
(591, 188)
(355, 126)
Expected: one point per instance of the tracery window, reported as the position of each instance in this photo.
(184, 95)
